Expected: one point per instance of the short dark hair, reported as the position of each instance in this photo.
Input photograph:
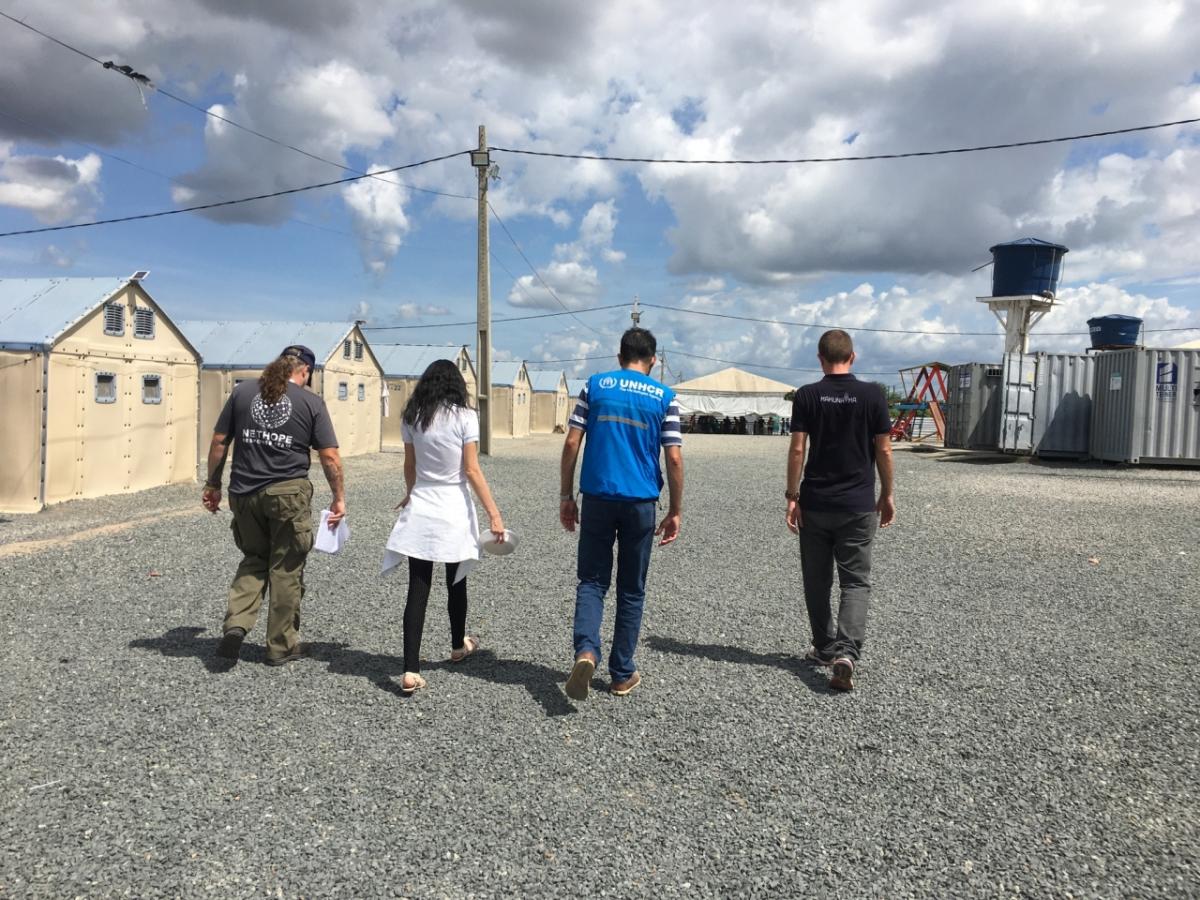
(835, 346)
(638, 345)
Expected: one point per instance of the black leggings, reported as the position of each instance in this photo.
(420, 575)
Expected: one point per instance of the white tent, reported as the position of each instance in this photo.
(733, 392)
(1190, 345)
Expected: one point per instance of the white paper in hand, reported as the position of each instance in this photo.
(328, 541)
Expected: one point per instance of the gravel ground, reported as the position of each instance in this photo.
(1025, 721)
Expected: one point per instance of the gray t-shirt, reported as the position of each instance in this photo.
(273, 443)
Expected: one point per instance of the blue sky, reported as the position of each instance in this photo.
(869, 245)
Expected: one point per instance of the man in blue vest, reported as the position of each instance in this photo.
(626, 417)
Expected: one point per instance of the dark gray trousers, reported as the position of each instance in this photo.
(844, 539)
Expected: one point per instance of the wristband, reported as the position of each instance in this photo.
(563, 498)
(211, 487)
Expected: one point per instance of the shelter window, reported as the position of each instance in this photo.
(343, 391)
(346, 349)
(114, 319)
(143, 323)
(152, 389)
(362, 391)
(106, 387)
(358, 349)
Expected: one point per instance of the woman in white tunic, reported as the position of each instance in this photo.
(437, 520)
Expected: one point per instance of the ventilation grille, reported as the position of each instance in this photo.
(114, 319)
(143, 323)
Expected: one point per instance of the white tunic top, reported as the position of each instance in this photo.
(439, 522)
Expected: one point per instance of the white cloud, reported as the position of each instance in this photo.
(409, 311)
(53, 188)
(377, 206)
(574, 283)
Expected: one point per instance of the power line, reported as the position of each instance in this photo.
(221, 203)
(538, 275)
(538, 363)
(925, 333)
(831, 159)
(549, 315)
(142, 81)
(753, 365)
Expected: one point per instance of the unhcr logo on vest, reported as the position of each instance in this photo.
(608, 382)
(641, 387)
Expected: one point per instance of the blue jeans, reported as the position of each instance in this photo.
(630, 523)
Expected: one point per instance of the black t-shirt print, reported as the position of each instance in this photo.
(273, 441)
(842, 417)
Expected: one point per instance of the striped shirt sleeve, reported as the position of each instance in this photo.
(580, 416)
(671, 435)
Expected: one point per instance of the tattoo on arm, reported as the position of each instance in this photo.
(333, 474)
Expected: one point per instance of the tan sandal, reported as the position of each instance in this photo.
(470, 645)
(417, 683)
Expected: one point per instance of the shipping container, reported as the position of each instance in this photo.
(1147, 407)
(1062, 404)
(1046, 404)
(973, 406)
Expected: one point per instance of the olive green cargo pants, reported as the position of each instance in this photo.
(274, 530)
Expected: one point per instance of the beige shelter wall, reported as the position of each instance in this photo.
(522, 409)
(21, 400)
(399, 390)
(95, 449)
(356, 422)
(215, 387)
(549, 412)
(502, 411)
(87, 338)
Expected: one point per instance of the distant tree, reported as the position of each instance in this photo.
(789, 396)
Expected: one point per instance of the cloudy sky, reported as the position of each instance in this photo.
(368, 86)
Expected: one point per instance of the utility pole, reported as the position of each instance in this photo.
(662, 367)
(483, 298)
(636, 315)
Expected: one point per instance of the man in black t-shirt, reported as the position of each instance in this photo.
(842, 425)
(274, 424)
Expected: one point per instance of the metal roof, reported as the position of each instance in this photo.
(35, 312)
(506, 372)
(411, 360)
(575, 386)
(545, 381)
(253, 345)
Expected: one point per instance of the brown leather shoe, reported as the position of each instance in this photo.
(621, 688)
(581, 676)
(300, 652)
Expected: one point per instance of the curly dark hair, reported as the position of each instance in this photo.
(441, 387)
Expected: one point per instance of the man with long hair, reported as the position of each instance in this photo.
(274, 424)
(843, 426)
(626, 417)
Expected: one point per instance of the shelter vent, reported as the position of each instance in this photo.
(114, 319)
(143, 323)
(106, 387)
(358, 349)
(152, 389)
(346, 349)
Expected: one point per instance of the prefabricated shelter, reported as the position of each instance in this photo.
(733, 392)
(575, 387)
(1046, 404)
(99, 391)
(511, 393)
(972, 406)
(347, 376)
(551, 402)
(403, 365)
(1146, 406)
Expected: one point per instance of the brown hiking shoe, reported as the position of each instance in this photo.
(621, 688)
(581, 676)
(300, 652)
(843, 674)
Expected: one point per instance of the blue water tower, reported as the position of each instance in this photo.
(1114, 332)
(1026, 267)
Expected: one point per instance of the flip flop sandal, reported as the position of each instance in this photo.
(417, 683)
(470, 645)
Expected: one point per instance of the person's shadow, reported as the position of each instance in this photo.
(383, 670)
(796, 665)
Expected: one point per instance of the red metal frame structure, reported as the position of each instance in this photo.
(926, 392)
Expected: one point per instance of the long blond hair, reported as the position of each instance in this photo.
(272, 384)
